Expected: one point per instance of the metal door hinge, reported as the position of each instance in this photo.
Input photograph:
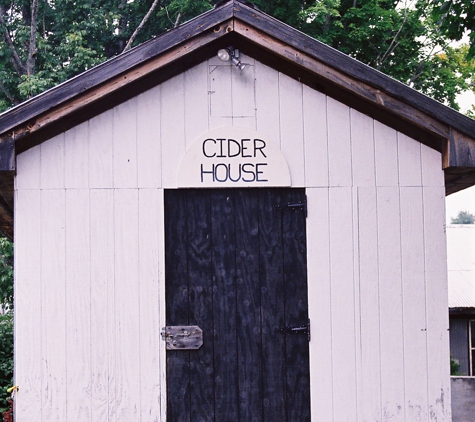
(295, 206)
(183, 337)
(297, 329)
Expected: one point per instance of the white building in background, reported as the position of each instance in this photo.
(461, 276)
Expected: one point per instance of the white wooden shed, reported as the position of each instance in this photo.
(131, 194)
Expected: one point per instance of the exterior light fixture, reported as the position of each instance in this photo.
(229, 53)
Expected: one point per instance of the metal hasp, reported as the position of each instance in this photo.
(298, 329)
(183, 337)
(295, 206)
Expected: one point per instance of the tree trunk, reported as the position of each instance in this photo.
(31, 61)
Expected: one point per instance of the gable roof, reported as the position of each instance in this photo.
(256, 34)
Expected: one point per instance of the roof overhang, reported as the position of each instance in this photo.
(462, 312)
(257, 35)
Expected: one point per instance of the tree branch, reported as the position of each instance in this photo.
(20, 69)
(177, 22)
(30, 63)
(7, 94)
(393, 44)
(139, 28)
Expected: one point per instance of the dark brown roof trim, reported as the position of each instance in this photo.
(112, 68)
(354, 68)
(266, 24)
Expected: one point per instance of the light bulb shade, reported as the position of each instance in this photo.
(243, 66)
(224, 55)
(238, 64)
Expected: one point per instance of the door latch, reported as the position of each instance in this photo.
(294, 206)
(182, 337)
(297, 329)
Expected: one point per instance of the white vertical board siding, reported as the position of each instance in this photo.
(244, 95)
(53, 301)
(320, 311)
(291, 128)
(124, 146)
(172, 128)
(232, 95)
(28, 305)
(409, 161)
(90, 247)
(102, 309)
(51, 163)
(267, 101)
(362, 149)
(148, 140)
(414, 309)
(149, 299)
(386, 159)
(435, 262)
(78, 304)
(220, 89)
(315, 137)
(196, 102)
(127, 304)
(339, 144)
(391, 303)
(432, 175)
(77, 145)
(368, 320)
(28, 165)
(342, 303)
(100, 157)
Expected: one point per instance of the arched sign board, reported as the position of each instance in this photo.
(233, 157)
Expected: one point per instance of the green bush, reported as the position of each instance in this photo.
(6, 358)
(6, 321)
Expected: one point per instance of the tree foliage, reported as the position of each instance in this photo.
(49, 41)
(68, 37)
(6, 320)
(457, 18)
(463, 217)
(401, 40)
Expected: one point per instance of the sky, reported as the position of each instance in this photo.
(460, 201)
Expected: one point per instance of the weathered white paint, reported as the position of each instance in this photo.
(90, 252)
(233, 157)
(102, 303)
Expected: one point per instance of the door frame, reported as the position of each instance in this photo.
(314, 197)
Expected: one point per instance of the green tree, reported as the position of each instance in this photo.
(48, 42)
(463, 217)
(403, 42)
(454, 366)
(456, 19)
(6, 321)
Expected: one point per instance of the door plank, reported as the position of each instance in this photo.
(248, 295)
(201, 304)
(236, 266)
(224, 305)
(178, 392)
(272, 307)
(296, 308)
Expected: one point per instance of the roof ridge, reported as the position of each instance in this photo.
(246, 2)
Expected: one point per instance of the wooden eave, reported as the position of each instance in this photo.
(256, 34)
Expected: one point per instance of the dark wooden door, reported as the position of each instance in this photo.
(236, 267)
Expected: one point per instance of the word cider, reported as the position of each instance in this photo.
(240, 170)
